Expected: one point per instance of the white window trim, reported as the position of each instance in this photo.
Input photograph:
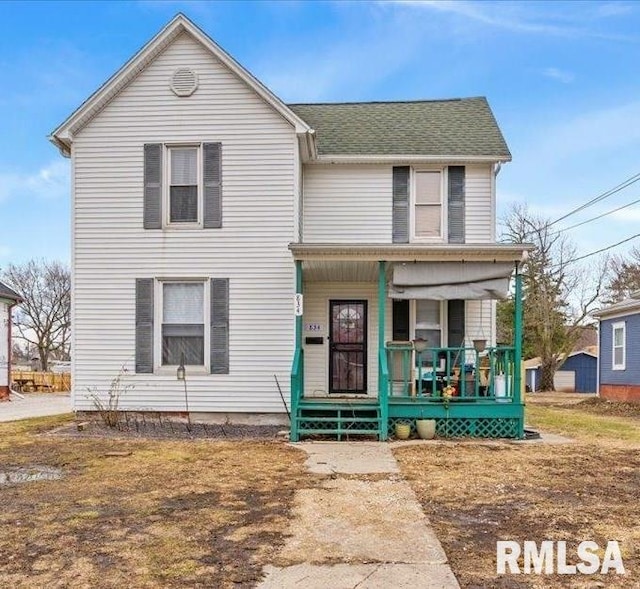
(166, 222)
(443, 203)
(615, 326)
(159, 368)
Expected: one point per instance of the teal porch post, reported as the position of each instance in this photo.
(297, 371)
(383, 368)
(517, 345)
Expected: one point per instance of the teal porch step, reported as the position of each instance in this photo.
(337, 419)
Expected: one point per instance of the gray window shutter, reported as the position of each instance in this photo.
(212, 176)
(219, 326)
(400, 322)
(456, 203)
(152, 207)
(455, 323)
(144, 325)
(400, 188)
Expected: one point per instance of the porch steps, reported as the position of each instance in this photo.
(338, 419)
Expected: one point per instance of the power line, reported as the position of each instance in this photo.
(604, 249)
(628, 182)
(610, 212)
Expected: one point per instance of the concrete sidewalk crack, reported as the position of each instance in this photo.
(359, 583)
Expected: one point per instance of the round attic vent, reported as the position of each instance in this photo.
(184, 81)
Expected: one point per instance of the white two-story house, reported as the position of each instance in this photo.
(347, 249)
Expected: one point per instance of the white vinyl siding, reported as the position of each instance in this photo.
(619, 346)
(316, 313)
(112, 250)
(347, 204)
(479, 203)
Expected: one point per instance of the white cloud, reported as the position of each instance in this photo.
(558, 74)
(613, 9)
(518, 17)
(49, 182)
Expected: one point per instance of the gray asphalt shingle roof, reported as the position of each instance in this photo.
(8, 293)
(458, 127)
(631, 304)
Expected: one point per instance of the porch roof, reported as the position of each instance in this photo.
(332, 262)
(411, 252)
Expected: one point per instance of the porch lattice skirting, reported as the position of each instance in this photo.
(469, 427)
(349, 420)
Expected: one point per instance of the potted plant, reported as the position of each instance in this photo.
(403, 430)
(426, 428)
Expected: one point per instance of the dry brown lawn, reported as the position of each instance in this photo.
(476, 493)
(169, 514)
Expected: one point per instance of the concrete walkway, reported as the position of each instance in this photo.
(362, 528)
(35, 405)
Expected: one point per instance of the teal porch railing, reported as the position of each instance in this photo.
(463, 374)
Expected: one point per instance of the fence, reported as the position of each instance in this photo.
(31, 381)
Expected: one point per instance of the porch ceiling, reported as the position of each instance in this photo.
(339, 271)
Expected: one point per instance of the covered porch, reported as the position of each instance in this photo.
(388, 333)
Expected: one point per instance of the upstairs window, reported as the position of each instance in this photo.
(184, 185)
(428, 205)
(619, 346)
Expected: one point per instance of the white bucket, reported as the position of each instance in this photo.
(500, 388)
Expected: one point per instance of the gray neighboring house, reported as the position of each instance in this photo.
(8, 299)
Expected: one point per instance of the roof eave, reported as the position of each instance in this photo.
(614, 311)
(140, 60)
(410, 158)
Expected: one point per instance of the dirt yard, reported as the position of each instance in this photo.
(142, 513)
(476, 493)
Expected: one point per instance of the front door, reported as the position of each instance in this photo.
(348, 347)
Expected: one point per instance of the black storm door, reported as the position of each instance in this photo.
(348, 347)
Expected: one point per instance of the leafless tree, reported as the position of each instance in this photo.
(559, 292)
(43, 319)
(623, 276)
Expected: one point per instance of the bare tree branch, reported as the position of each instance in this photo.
(559, 293)
(43, 319)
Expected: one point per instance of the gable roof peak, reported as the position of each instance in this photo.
(62, 136)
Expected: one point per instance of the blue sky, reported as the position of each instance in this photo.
(562, 79)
